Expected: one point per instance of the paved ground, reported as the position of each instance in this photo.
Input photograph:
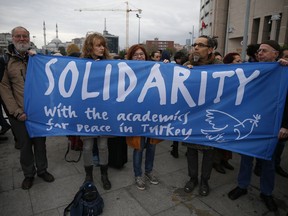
(124, 199)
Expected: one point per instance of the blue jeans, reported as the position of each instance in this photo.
(267, 177)
(149, 157)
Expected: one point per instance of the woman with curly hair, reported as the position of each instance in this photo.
(232, 58)
(95, 47)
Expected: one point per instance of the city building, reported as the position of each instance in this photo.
(157, 44)
(178, 46)
(226, 19)
(5, 40)
(78, 41)
(112, 42)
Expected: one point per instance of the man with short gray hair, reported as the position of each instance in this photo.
(33, 157)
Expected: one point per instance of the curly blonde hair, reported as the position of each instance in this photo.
(87, 50)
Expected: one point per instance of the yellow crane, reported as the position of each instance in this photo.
(127, 10)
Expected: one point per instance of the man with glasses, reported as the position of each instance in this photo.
(203, 54)
(33, 157)
(268, 52)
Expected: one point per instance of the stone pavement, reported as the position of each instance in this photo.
(124, 199)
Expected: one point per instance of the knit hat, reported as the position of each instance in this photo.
(273, 44)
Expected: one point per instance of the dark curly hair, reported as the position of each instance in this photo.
(251, 51)
(211, 41)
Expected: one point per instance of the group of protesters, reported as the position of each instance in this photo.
(33, 158)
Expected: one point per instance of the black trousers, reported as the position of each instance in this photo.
(207, 163)
(33, 157)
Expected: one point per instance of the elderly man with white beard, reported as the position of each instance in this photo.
(33, 157)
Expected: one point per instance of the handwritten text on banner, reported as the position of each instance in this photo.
(236, 107)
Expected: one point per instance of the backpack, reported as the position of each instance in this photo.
(4, 59)
(74, 143)
(87, 202)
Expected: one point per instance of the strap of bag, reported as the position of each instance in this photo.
(75, 200)
(67, 209)
(72, 161)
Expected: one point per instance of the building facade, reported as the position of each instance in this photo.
(157, 44)
(5, 40)
(79, 42)
(226, 20)
(112, 42)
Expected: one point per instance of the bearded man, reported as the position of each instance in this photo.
(33, 157)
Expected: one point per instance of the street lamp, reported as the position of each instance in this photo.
(33, 41)
(139, 17)
(192, 36)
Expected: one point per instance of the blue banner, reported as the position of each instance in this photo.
(237, 107)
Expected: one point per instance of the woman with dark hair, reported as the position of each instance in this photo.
(221, 156)
(95, 47)
(202, 55)
(155, 56)
(180, 57)
(138, 52)
(165, 56)
(251, 51)
(232, 58)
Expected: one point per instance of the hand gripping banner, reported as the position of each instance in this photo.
(237, 107)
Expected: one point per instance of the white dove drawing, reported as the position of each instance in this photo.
(221, 121)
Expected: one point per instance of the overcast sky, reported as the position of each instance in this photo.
(166, 20)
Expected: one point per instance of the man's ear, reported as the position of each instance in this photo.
(210, 50)
(277, 53)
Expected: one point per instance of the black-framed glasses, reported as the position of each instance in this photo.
(200, 45)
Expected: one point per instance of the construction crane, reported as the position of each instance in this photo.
(128, 10)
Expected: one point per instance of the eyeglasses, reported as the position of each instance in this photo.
(138, 54)
(200, 45)
(19, 36)
(265, 50)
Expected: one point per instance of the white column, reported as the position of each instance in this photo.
(274, 19)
